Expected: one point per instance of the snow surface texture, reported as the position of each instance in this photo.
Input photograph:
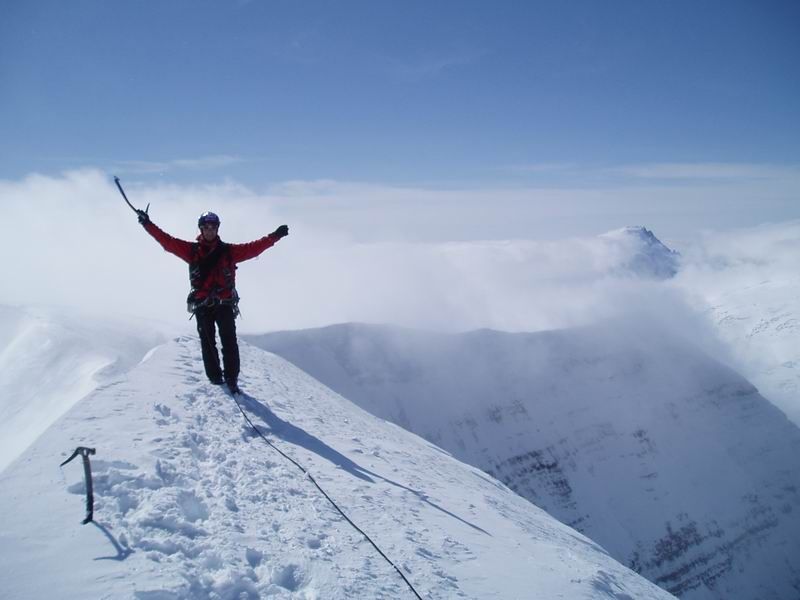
(50, 359)
(671, 461)
(762, 325)
(189, 503)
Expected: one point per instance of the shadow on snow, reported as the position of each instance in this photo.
(123, 552)
(299, 437)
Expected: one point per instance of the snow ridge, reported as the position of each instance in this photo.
(189, 503)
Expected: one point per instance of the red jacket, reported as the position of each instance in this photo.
(222, 277)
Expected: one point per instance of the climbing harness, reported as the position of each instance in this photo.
(199, 270)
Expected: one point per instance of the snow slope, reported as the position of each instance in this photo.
(50, 359)
(762, 325)
(671, 461)
(191, 504)
(748, 283)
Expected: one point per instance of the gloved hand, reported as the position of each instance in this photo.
(281, 231)
(143, 216)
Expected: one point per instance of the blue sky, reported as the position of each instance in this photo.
(434, 93)
(382, 133)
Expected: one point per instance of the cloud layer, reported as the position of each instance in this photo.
(75, 243)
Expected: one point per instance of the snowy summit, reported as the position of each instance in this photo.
(644, 254)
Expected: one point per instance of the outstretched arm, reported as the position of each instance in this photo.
(180, 248)
(241, 252)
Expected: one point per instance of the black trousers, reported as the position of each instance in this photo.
(208, 319)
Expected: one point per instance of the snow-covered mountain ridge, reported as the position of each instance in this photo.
(190, 504)
(670, 460)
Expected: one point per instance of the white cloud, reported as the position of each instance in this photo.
(76, 243)
(676, 210)
(354, 254)
(544, 167)
(708, 171)
(71, 241)
(675, 172)
(190, 164)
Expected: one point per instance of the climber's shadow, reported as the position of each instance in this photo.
(295, 435)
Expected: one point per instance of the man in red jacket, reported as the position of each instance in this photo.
(213, 299)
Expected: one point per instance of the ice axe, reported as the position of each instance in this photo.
(128, 202)
(87, 472)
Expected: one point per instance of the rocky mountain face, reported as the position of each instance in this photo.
(670, 460)
(642, 254)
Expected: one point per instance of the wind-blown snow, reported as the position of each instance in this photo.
(191, 504)
(749, 285)
(50, 359)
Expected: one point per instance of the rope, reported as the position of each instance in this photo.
(314, 481)
(336, 506)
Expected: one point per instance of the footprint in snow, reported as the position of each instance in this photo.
(314, 543)
(607, 584)
(425, 553)
(289, 577)
(254, 557)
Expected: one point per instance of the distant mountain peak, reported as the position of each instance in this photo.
(646, 255)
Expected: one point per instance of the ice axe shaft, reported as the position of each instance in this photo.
(128, 202)
(87, 473)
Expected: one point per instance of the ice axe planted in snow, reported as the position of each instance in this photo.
(87, 472)
(128, 202)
